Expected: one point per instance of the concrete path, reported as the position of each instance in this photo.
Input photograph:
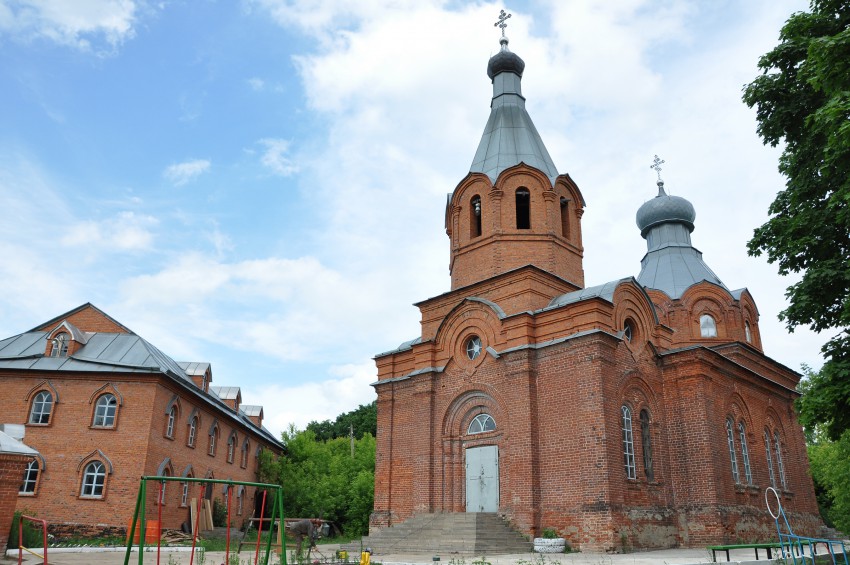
(661, 557)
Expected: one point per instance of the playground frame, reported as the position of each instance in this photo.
(139, 516)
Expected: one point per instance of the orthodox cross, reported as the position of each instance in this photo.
(501, 23)
(656, 164)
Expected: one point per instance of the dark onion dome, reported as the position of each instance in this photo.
(664, 208)
(505, 61)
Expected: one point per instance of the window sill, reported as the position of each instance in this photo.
(38, 425)
(85, 497)
(101, 427)
(27, 494)
(171, 438)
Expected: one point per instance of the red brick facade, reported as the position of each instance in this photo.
(11, 470)
(142, 440)
(560, 367)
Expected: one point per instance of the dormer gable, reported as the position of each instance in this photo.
(88, 318)
(199, 373)
(64, 340)
(230, 395)
(253, 412)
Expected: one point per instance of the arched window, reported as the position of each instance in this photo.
(184, 495)
(523, 209)
(213, 440)
(745, 453)
(94, 477)
(60, 345)
(240, 498)
(777, 449)
(243, 459)
(169, 424)
(747, 333)
(231, 447)
(646, 444)
(707, 326)
(163, 485)
(769, 459)
(628, 443)
(42, 405)
(475, 216)
(30, 478)
(565, 219)
(104, 411)
(480, 424)
(730, 439)
(193, 431)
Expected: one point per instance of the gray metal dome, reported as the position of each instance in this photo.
(505, 61)
(664, 208)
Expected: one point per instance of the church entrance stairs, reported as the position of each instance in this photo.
(465, 533)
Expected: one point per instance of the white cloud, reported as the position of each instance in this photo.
(127, 231)
(99, 25)
(275, 157)
(256, 84)
(181, 173)
(313, 400)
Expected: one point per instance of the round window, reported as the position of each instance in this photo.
(473, 347)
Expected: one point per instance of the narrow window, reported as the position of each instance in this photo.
(30, 478)
(42, 405)
(230, 448)
(184, 496)
(169, 426)
(162, 485)
(565, 218)
(769, 459)
(104, 411)
(628, 443)
(523, 209)
(473, 347)
(730, 439)
(646, 441)
(93, 478)
(239, 499)
(213, 439)
(747, 333)
(779, 465)
(60, 345)
(628, 331)
(707, 326)
(243, 460)
(480, 424)
(193, 431)
(475, 217)
(745, 453)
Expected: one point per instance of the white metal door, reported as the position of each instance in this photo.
(482, 479)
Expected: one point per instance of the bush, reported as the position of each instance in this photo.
(219, 512)
(32, 534)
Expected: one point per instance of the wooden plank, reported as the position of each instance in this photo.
(193, 514)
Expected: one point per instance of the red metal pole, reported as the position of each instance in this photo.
(227, 543)
(197, 524)
(260, 529)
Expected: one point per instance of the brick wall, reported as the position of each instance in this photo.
(11, 471)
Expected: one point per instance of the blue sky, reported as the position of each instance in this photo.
(260, 183)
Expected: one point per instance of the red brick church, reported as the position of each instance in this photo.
(639, 413)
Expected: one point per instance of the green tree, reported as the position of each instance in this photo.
(323, 478)
(831, 475)
(803, 101)
(363, 420)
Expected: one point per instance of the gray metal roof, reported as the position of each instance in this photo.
(193, 368)
(604, 291)
(251, 409)
(671, 264)
(510, 137)
(226, 392)
(9, 444)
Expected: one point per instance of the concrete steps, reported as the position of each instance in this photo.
(467, 533)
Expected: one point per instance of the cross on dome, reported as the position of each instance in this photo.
(501, 23)
(656, 164)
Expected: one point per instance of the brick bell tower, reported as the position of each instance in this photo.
(513, 208)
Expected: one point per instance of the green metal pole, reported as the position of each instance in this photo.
(143, 492)
(271, 534)
(283, 532)
(132, 528)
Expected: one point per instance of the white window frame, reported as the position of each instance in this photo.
(193, 431)
(480, 424)
(169, 426)
(30, 482)
(707, 326)
(105, 411)
(777, 449)
(628, 442)
(771, 474)
(745, 453)
(42, 408)
(730, 440)
(184, 496)
(94, 480)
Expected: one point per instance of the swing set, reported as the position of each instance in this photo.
(139, 518)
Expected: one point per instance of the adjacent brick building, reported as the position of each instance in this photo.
(640, 413)
(103, 407)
